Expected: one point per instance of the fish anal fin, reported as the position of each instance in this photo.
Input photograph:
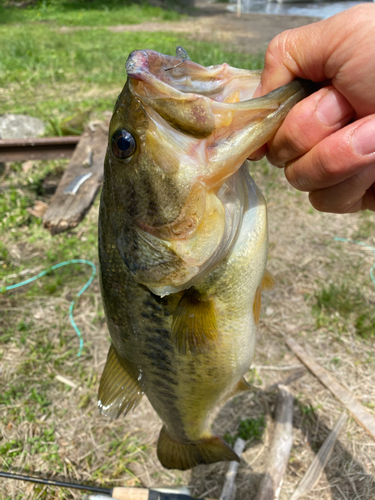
(194, 324)
(241, 386)
(178, 455)
(119, 389)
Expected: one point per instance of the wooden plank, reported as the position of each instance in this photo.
(38, 148)
(313, 473)
(282, 441)
(362, 416)
(69, 205)
(229, 487)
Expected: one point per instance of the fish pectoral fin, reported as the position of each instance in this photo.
(194, 324)
(268, 282)
(257, 304)
(178, 455)
(119, 389)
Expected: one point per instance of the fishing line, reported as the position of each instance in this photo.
(71, 307)
(372, 270)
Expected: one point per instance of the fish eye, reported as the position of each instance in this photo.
(123, 143)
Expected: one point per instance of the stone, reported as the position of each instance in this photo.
(20, 126)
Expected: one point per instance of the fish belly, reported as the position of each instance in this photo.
(203, 380)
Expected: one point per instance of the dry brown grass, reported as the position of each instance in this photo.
(85, 447)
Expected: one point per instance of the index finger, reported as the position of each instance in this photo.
(314, 52)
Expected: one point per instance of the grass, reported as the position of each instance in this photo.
(53, 75)
(344, 306)
(85, 13)
(249, 429)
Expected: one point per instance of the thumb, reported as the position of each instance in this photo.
(299, 52)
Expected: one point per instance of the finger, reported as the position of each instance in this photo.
(338, 48)
(294, 53)
(259, 153)
(308, 123)
(336, 158)
(352, 195)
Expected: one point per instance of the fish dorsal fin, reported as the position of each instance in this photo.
(194, 324)
(119, 389)
(268, 282)
(178, 455)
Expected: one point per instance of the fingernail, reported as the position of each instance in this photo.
(330, 108)
(363, 138)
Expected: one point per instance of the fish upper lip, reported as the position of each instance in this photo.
(191, 81)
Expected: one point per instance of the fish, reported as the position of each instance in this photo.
(183, 244)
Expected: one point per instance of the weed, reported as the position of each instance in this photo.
(250, 429)
(343, 305)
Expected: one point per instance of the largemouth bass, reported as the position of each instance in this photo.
(183, 244)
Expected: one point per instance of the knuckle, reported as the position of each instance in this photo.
(277, 50)
(296, 177)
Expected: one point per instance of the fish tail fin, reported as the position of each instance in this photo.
(177, 455)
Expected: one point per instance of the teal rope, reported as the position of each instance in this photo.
(372, 273)
(71, 307)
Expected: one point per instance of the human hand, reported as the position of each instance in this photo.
(327, 141)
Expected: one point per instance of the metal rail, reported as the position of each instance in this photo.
(41, 148)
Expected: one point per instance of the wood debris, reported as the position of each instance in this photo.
(315, 470)
(229, 488)
(362, 416)
(73, 199)
(270, 485)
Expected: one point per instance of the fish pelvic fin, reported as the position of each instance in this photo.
(119, 389)
(183, 456)
(194, 324)
(268, 282)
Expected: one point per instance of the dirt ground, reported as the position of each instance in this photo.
(250, 33)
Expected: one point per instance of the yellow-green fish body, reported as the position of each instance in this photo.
(183, 244)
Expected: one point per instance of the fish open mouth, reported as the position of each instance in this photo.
(175, 77)
(214, 103)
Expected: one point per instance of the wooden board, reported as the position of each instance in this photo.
(346, 397)
(67, 210)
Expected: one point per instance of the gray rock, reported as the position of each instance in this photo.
(20, 127)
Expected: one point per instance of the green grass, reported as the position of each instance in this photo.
(53, 75)
(341, 306)
(85, 13)
(249, 429)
